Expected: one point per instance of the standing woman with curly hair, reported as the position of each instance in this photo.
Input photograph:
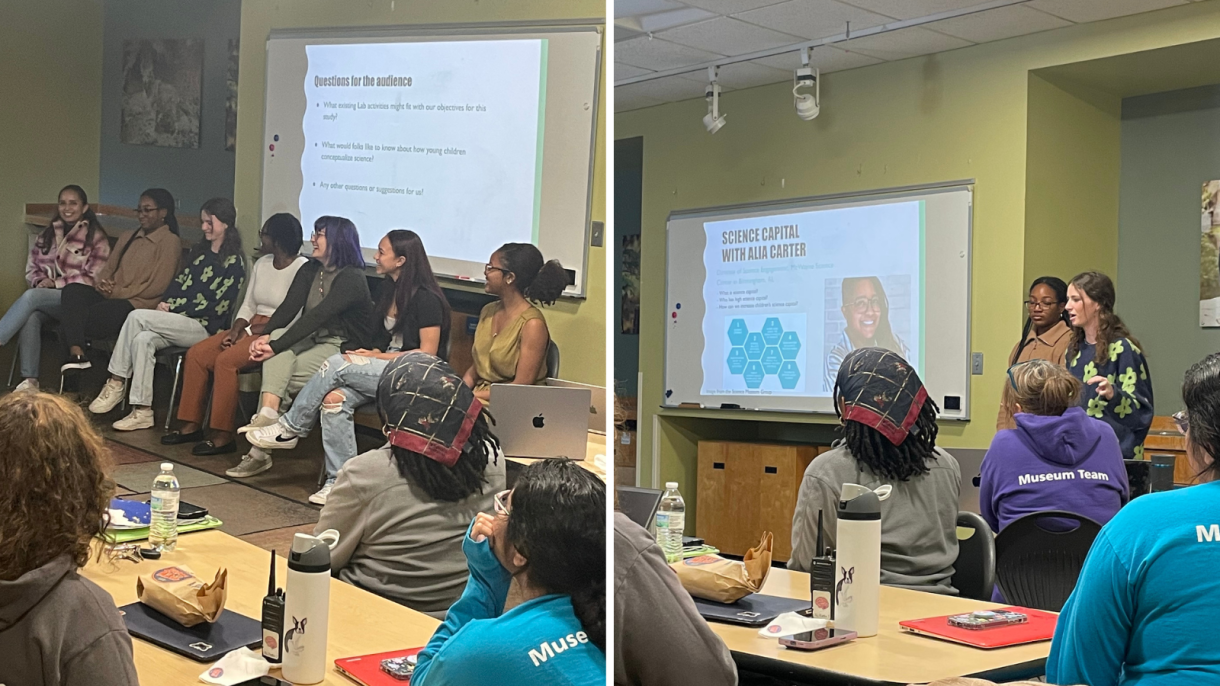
(889, 438)
(1108, 360)
(511, 339)
(56, 627)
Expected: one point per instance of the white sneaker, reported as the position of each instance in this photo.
(319, 498)
(249, 466)
(259, 420)
(109, 398)
(272, 437)
(140, 418)
(27, 385)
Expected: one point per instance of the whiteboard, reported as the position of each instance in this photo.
(558, 186)
(761, 298)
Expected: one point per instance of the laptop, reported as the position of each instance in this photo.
(639, 504)
(204, 642)
(597, 409)
(755, 609)
(541, 421)
(366, 669)
(1039, 627)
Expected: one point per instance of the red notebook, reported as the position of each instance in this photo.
(366, 669)
(1040, 627)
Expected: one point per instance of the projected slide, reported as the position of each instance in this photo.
(441, 137)
(787, 297)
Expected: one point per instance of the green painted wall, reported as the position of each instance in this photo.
(1170, 146)
(956, 115)
(49, 131)
(578, 327)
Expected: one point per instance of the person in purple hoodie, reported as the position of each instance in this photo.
(1058, 458)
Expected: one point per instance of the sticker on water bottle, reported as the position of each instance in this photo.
(662, 520)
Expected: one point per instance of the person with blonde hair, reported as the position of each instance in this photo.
(1058, 458)
(56, 627)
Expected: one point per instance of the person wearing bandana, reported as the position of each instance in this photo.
(889, 437)
(402, 510)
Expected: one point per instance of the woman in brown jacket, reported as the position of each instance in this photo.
(141, 265)
(1045, 337)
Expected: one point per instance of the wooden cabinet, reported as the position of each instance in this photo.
(747, 488)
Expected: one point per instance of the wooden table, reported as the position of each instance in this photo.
(360, 622)
(595, 447)
(890, 657)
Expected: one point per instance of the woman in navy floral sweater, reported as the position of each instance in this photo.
(1108, 360)
(199, 302)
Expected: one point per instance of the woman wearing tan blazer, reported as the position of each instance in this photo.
(1045, 337)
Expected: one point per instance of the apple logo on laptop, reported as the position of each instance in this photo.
(539, 421)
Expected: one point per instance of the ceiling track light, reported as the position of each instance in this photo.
(807, 105)
(713, 120)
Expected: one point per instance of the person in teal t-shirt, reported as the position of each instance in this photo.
(549, 537)
(1148, 596)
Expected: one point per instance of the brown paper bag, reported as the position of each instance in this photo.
(712, 577)
(180, 595)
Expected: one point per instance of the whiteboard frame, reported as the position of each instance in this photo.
(594, 24)
(794, 203)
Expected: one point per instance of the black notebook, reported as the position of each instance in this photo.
(203, 642)
(755, 609)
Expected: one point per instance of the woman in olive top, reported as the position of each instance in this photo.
(1108, 361)
(1045, 336)
(511, 339)
(140, 268)
(332, 298)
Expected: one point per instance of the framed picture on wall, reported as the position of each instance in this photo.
(630, 297)
(162, 90)
(231, 97)
(1209, 257)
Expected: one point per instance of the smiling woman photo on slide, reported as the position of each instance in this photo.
(866, 313)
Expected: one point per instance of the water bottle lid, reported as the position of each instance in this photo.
(859, 503)
(671, 485)
(167, 466)
(309, 554)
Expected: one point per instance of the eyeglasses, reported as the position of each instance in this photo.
(146, 210)
(1044, 305)
(1181, 420)
(500, 502)
(317, 234)
(861, 305)
(487, 269)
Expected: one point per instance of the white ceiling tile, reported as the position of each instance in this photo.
(730, 6)
(630, 98)
(668, 89)
(658, 55)
(631, 8)
(825, 58)
(998, 24)
(626, 71)
(912, 9)
(1081, 11)
(743, 75)
(728, 36)
(903, 43)
(812, 18)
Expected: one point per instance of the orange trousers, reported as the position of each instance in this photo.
(224, 364)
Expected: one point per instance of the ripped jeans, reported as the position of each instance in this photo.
(356, 382)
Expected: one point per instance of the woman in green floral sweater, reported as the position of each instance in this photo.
(1107, 358)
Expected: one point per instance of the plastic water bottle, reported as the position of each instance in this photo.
(671, 520)
(163, 531)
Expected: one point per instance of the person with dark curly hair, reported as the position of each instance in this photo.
(548, 536)
(56, 627)
(889, 438)
(402, 510)
(511, 339)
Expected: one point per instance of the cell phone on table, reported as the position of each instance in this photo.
(816, 639)
(987, 619)
(400, 668)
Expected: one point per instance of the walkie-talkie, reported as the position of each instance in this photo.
(273, 619)
(821, 580)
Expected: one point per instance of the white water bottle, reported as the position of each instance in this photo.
(163, 504)
(671, 522)
(307, 607)
(858, 559)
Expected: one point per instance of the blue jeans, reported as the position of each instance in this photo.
(26, 315)
(357, 381)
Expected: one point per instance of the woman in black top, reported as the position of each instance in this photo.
(411, 315)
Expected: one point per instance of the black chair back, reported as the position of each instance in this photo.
(1039, 557)
(974, 570)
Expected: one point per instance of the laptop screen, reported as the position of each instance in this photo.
(639, 504)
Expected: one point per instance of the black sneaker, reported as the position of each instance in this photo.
(75, 362)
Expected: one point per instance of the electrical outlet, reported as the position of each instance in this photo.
(976, 364)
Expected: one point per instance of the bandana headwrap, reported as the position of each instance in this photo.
(879, 389)
(426, 408)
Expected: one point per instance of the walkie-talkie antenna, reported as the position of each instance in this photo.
(818, 549)
(271, 579)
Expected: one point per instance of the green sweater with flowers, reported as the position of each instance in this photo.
(206, 289)
(1129, 412)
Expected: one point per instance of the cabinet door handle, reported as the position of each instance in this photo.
(771, 470)
(717, 465)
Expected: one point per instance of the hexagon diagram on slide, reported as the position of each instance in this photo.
(772, 330)
(754, 345)
(789, 375)
(737, 360)
(771, 360)
(765, 347)
(754, 375)
(737, 332)
(789, 345)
